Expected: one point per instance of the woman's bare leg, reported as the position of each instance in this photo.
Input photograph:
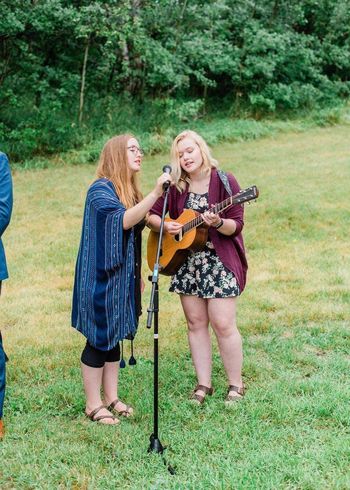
(222, 316)
(92, 379)
(110, 385)
(195, 310)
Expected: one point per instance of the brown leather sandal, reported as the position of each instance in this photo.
(200, 398)
(92, 414)
(230, 399)
(123, 413)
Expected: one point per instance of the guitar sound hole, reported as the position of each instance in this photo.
(177, 238)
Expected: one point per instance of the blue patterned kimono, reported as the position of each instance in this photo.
(104, 287)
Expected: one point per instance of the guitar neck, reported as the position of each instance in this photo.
(218, 208)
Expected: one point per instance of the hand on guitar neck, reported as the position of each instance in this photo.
(210, 218)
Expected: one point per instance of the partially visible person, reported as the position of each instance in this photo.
(6, 201)
(108, 283)
(210, 281)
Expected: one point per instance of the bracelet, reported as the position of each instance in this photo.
(220, 224)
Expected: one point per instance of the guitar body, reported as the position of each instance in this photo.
(192, 237)
(174, 252)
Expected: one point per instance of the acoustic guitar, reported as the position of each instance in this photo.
(192, 236)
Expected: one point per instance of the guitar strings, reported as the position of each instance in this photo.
(241, 196)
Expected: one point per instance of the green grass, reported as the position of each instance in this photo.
(292, 431)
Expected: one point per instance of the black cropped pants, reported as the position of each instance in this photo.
(96, 358)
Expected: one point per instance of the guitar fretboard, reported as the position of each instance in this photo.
(218, 208)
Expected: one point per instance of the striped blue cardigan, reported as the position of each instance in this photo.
(103, 307)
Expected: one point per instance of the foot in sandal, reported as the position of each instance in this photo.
(120, 408)
(234, 394)
(199, 393)
(102, 416)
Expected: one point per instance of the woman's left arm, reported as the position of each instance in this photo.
(233, 216)
(226, 226)
(231, 223)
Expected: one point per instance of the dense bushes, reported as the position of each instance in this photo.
(74, 70)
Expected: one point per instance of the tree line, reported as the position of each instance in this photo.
(71, 68)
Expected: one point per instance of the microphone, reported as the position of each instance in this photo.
(166, 170)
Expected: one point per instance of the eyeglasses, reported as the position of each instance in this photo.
(135, 150)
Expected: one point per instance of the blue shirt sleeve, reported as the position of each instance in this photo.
(6, 197)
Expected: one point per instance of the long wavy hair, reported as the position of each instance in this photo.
(181, 177)
(113, 165)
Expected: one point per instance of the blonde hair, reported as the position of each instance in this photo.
(181, 177)
(113, 165)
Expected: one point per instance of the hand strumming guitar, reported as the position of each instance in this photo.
(172, 227)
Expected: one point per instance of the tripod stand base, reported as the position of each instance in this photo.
(155, 445)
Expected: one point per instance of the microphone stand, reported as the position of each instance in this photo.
(155, 444)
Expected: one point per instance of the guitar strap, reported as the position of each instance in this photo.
(225, 182)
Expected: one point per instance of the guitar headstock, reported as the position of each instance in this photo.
(246, 195)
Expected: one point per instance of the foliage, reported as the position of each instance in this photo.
(62, 59)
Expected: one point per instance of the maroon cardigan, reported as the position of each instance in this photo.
(230, 249)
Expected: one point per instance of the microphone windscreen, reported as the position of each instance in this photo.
(167, 169)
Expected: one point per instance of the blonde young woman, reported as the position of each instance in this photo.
(209, 281)
(108, 284)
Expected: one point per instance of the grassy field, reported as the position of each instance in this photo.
(292, 431)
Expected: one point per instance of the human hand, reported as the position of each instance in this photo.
(172, 227)
(210, 218)
(164, 178)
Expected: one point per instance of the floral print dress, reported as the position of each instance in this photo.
(203, 274)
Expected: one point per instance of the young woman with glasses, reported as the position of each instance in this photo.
(108, 284)
(210, 280)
